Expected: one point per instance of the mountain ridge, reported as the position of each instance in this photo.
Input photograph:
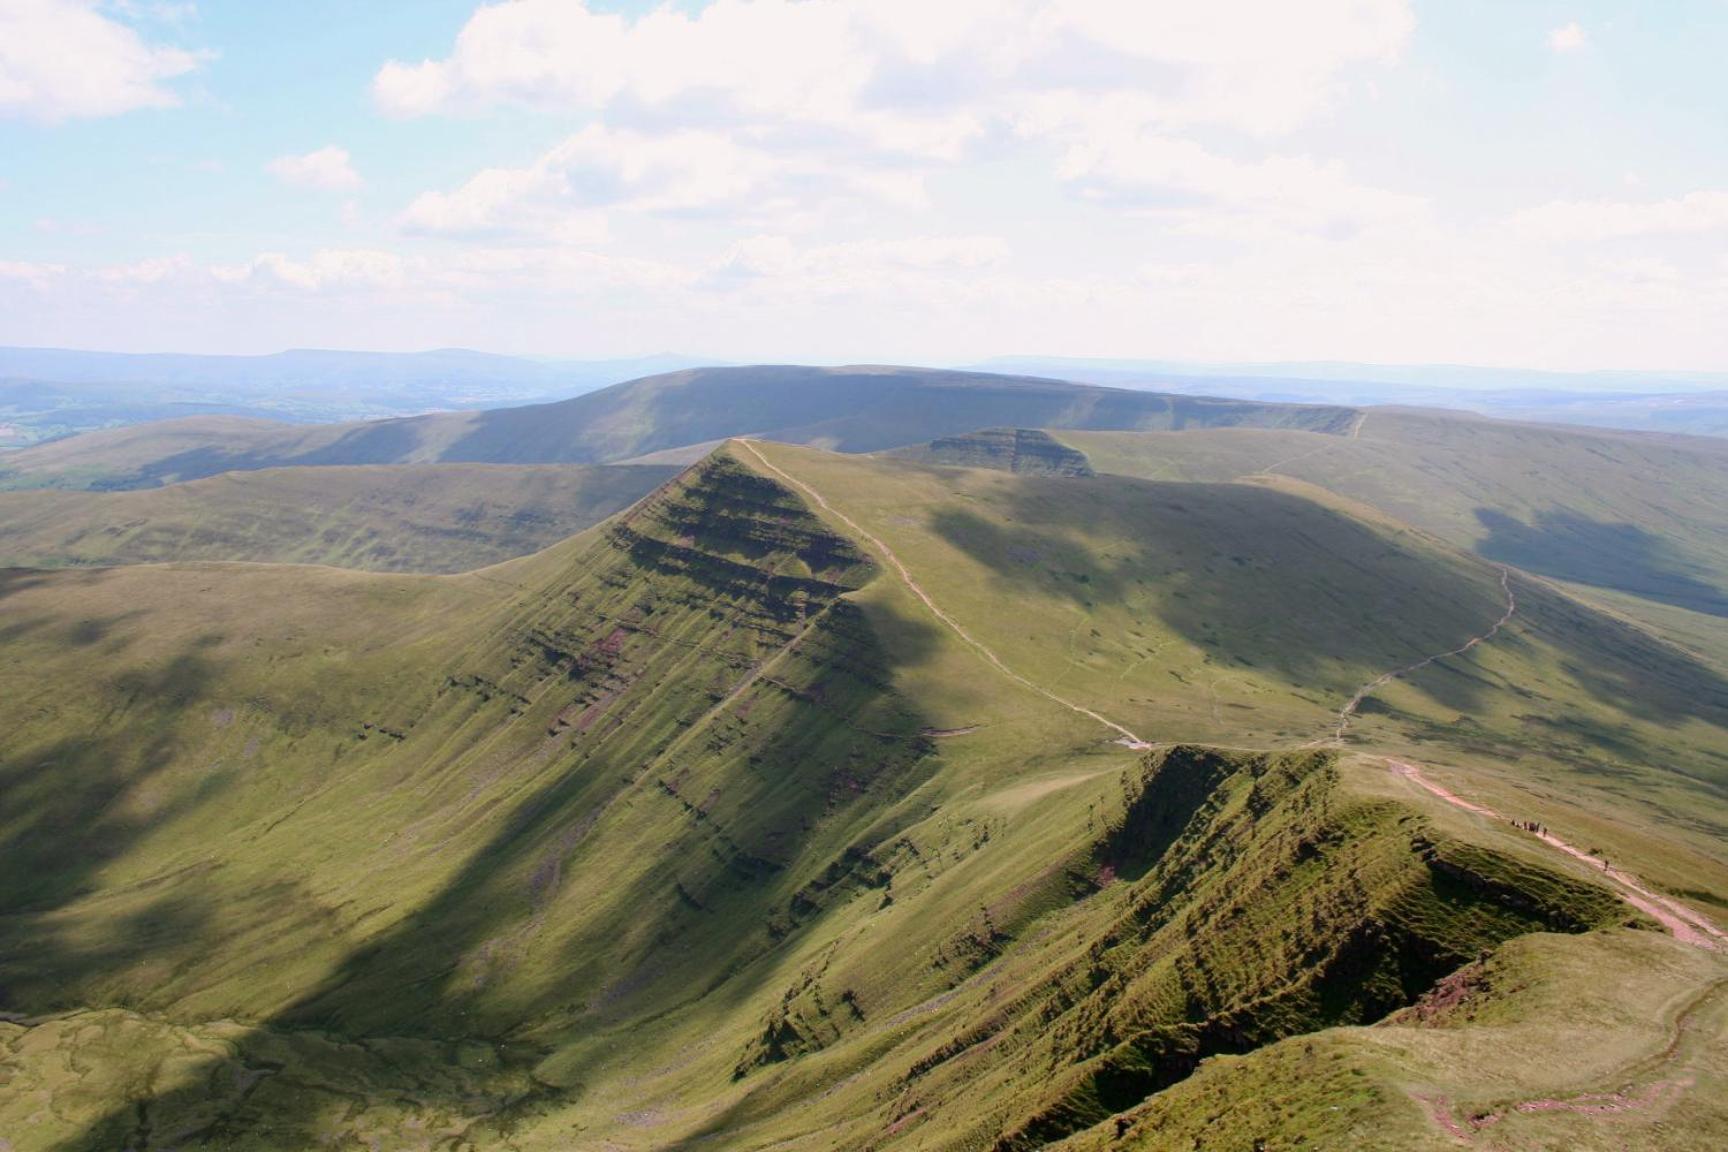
(864, 408)
(701, 827)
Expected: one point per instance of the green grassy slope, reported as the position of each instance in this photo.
(139, 455)
(856, 409)
(1642, 514)
(1237, 613)
(700, 829)
(1250, 594)
(1632, 525)
(433, 518)
(1637, 1017)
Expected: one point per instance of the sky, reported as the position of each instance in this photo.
(1508, 182)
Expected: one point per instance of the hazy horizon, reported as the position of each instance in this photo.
(1373, 181)
(1460, 376)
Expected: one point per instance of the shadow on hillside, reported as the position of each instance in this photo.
(380, 442)
(16, 580)
(850, 411)
(1256, 578)
(1623, 557)
(755, 820)
(66, 810)
(1622, 666)
(1268, 580)
(816, 751)
(77, 805)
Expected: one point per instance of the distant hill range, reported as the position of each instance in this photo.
(48, 392)
(1691, 403)
(854, 409)
(51, 393)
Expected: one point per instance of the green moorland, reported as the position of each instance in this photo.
(856, 409)
(426, 518)
(790, 808)
(1632, 512)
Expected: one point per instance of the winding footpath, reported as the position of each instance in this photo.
(1688, 926)
(1645, 1085)
(1348, 712)
(1125, 737)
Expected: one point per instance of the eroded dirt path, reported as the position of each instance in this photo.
(1644, 1084)
(1687, 926)
(1348, 713)
(1125, 737)
(1647, 1084)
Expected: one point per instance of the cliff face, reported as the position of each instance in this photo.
(1258, 899)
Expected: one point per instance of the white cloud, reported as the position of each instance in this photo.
(1568, 38)
(903, 76)
(913, 180)
(1426, 290)
(1247, 64)
(30, 273)
(555, 52)
(564, 195)
(1587, 220)
(782, 259)
(325, 270)
(150, 271)
(161, 11)
(64, 59)
(328, 168)
(494, 202)
(781, 115)
(771, 263)
(711, 112)
(1113, 160)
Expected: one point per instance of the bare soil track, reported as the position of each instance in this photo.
(1687, 926)
(1348, 713)
(1125, 737)
(1646, 1084)
(1649, 1083)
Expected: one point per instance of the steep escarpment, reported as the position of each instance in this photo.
(1270, 902)
(602, 781)
(690, 831)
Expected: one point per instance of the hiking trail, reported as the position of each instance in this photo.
(1348, 713)
(1643, 1084)
(1687, 926)
(1126, 737)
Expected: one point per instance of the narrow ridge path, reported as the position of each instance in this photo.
(1127, 737)
(1642, 1085)
(1688, 926)
(1269, 470)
